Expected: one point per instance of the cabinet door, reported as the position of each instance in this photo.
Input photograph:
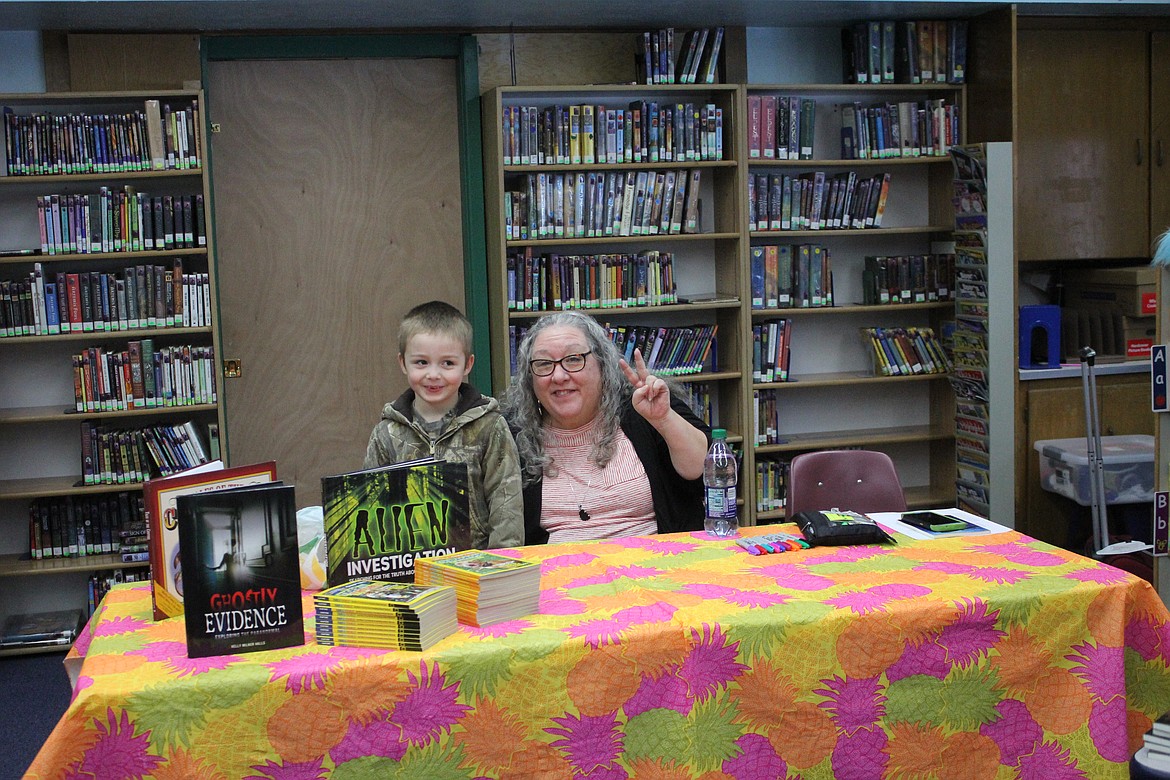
(1082, 157)
(1056, 410)
(1159, 133)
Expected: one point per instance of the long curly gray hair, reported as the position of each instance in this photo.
(525, 415)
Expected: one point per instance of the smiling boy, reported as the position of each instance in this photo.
(442, 415)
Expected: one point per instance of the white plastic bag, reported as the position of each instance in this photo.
(311, 540)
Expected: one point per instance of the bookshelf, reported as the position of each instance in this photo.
(705, 259)
(833, 396)
(40, 423)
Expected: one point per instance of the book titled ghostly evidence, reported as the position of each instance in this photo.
(241, 570)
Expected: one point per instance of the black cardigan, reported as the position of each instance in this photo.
(678, 502)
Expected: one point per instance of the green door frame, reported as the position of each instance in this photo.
(461, 48)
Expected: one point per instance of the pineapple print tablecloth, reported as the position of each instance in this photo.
(991, 656)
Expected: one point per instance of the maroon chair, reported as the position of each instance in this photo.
(858, 480)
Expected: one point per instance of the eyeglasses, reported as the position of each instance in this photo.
(571, 363)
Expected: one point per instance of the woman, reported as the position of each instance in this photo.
(605, 450)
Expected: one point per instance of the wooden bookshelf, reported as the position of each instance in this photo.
(42, 429)
(831, 367)
(710, 259)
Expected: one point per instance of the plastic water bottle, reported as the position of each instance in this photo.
(720, 476)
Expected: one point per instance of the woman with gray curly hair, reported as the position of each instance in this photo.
(605, 449)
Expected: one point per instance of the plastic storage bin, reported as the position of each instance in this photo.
(1127, 463)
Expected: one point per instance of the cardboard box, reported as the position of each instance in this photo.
(1127, 467)
(1138, 334)
(1134, 291)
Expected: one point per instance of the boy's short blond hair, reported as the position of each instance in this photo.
(434, 317)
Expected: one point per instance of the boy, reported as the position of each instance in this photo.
(444, 416)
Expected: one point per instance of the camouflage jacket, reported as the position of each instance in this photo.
(475, 434)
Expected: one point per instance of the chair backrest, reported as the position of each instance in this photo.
(859, 480)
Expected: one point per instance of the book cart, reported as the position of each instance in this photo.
(41, 463)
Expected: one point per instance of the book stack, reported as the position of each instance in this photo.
(667, 351)
(1155, 752)
(41, 629)
(490, 588)
(392, 615)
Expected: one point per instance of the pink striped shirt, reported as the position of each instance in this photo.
(616, 498)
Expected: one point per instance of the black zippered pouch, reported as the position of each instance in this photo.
(839, 527)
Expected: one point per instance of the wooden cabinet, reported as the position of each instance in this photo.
(42, 427)
(1083, 144)
(1159, 133)
(1055, 409)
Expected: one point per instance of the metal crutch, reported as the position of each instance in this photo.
(1096, 465)
(1101, 545)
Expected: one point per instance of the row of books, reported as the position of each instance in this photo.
(669, 351)
(596, 205)
(791, 277)
(695, 62)
(771, 484)
(120, 221)
(701, 399)
(816, 201)
(156, 137)
(120, 456)
(771, 350)
(139, 297)
(906, 52)
(549, 282)
(765, 417)
(589, 134)
(924, 128)
(781, 127)
(100, 582)
(140, 377)
(907, 278)
(69, 526)
(906, 351)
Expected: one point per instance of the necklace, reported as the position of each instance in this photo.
(569, 480)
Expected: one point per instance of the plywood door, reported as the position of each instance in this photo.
(337, 208)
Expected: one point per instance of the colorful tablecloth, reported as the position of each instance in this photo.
(991, 656)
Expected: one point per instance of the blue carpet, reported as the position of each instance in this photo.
(34, 692)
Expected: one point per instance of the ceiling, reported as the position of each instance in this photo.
(228, 15)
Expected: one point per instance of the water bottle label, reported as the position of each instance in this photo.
(721, 502)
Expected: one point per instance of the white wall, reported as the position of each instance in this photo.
(22, 67)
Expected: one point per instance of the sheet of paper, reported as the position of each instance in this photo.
(892, 522)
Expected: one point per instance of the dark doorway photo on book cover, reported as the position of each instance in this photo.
(377, 521)
(241, 569)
